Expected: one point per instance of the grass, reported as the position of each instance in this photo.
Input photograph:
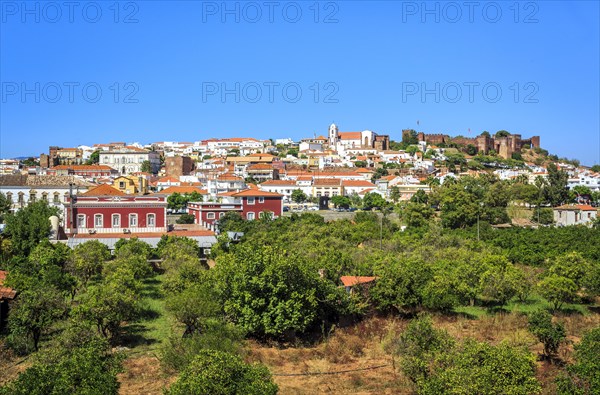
(155, 325)
(533, 303)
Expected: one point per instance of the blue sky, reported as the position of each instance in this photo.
(183, 71)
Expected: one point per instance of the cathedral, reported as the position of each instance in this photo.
(357, 140)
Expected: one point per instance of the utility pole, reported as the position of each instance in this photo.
(381, 232)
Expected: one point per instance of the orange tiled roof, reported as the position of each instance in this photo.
(279, 182)
(255, 192)
(103, 190)
(182, 190)
(168, 179)
(350, 135)
(350, 281)
(5, 292)
(357, 183)
(327, 181)
(580, 207)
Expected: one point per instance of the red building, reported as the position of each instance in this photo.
(250, 203)
(105, 209)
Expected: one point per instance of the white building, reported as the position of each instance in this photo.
(21, 190)
(586, 179)
(574, 214)
(129, 159)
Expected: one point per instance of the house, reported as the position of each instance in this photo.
(356, 186)
(7, 295)
(284, 187)
(262, 172)
(574, 214)
(327, 187)
(353, 282)
(21, 190)
(87, 171)
(105, 209)
(131, 184)
(250, 203)
(129, 159)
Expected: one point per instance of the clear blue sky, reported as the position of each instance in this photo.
(368, 62)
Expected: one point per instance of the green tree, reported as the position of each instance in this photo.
(287, 294)
(177, 352)
(28, 226)
(555, 190)
(415, 215)
(596, 168)
(186, 219)
(501, 282)
(418, 346)
(83, 368)
(88, 259)
(557, 290)
(549, 334)
(340, 201)
(33, 314)
(146, 167)
(373, 200)
(220, 373)
(395, 194)
(298, 196)
(5, 206)
(400, 284)
(193, 307)
(109, 303)
(409, 137)
(544, 216)
(480, 368)
(94, 158)
(583, 376)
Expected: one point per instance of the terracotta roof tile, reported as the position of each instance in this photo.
(350, 135)
(103, 190)
(350, 281)
(255, 192)
(581, 207)
(182, 190)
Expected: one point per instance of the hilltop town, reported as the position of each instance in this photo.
(313, 266)
(317, 170)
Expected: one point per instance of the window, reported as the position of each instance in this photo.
(261, 199)
(121, 184)
(151, 220)
(116, 220)
(132, 220)
(210, 215)
(98, 221)
(250, 216)
(9, 197)
(221, 215)
(32, 196)
(81, 221)
(45, 196)
(250, 200)
(21, 198)
(56, 197)
(66, 197)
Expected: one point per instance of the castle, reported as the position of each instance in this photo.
(505, 146)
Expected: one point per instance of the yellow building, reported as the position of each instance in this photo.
(131, 184)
